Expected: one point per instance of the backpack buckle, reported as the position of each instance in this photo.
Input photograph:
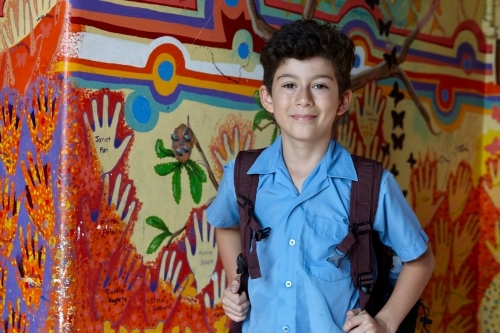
(361, 228)
(240, 263)
(366, 282)
(262, 233)
(337, 257)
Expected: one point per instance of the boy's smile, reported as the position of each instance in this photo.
(305, 99)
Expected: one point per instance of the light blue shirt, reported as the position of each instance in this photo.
(300, 291)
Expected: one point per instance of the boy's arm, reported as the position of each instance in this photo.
(229, 242)
(409, 286)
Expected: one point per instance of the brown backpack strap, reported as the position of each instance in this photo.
(358, 242)
(246, 192)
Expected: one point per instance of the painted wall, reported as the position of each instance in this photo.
(117, 117)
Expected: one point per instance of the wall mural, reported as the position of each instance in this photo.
(118, 116)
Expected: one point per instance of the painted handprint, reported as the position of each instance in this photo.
(10, 130)
(39, 199)
(103, 137)
(458, 296)
(213, 306)
(163, 293)
(369, 111)
(30, 267)
(104, 234)
(493, 189)
(460, 324)
(234, 135)
(464, 241)
(439, 302)
(443, 247)
(18, 24)
(9, 214)
(377, 152)
(347, 134)
(423, 190)
(43, 110)
(117, 285)
(495, 248)
(3, 286)
(16, 321)
(204, 257)
(459, 187)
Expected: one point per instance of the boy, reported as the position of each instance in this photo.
(303, 196)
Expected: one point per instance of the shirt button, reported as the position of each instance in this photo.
(292, 242)
(288, 284)
(286, 329)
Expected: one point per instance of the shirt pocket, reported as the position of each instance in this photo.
(321, 237)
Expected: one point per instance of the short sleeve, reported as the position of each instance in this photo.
(396, 223)
(223, 211)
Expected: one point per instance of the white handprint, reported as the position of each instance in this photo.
(203, 260)
(219, 287)
(103, 138)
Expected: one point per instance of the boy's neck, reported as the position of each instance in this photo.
(302, 157)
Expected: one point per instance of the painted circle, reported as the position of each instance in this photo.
(467, 64)
(166, 70)
(444, 95)
(141, 109)
(231, 3)
(243, 50)
(357, 61)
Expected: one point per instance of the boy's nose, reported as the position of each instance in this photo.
(304, 97)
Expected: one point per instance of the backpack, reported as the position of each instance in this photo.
(359, 242)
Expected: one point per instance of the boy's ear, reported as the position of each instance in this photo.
(265, 99)
(345, 101)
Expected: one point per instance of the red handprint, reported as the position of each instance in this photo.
(9, 213)
(39, 202)
(43, 112)
(10, 130)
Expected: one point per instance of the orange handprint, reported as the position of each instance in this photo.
(458, 295)
(9, 213)
(423, 189)
(439, 302)
(103, 235)
(43, 111)
(10, 130)
(464, 242)
(443, 247)
(31, 267)
(16, 321)
(117, 286)
(459, 187)
(39, 202)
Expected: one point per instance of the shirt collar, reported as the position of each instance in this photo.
(337, 160)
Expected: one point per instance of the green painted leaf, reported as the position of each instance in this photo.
(275, 134)
(166, 168)
(158, 223)
(156, 243)
(259, 117)
(256, 96)
(195, 185)
(161, 151)
(176, 185)
(198, 171)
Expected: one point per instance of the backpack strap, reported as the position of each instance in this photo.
(245, 186)
(363, 206)
(246, 191)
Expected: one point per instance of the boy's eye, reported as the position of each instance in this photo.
(320, 86)
(289, 86)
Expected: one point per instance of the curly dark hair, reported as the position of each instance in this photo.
(305, 39)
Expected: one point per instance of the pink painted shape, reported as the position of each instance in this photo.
(2, 3)
(496, 113)
(494, 147)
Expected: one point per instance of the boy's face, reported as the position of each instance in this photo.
(305, 99)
